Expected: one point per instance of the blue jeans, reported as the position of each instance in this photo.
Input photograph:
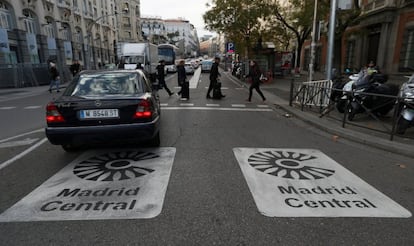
(54, 83)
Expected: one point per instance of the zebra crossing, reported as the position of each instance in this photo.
(30, 107)
(216, 107)
(168, 106)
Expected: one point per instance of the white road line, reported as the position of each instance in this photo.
(195, 79)
(27, 141)
(8, 162)
(187, 104)
(238, 105)
(32, 107)
(240, 88)
(220, 109)
(262, 106)
(21, 135)
(7, 108)
(164, 104)
(212, 105)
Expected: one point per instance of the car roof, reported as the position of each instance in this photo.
(121, 71)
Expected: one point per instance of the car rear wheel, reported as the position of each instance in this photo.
(70, 148)
(155, 141)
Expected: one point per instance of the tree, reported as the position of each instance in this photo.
(240, 20)
(297, 19)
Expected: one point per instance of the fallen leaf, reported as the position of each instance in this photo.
(402, 165)
(335, 138)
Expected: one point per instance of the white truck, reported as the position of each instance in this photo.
(134, 55)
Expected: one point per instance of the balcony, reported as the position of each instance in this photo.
(376, 5)
(64, 4)
(88, 15)
(76, 10)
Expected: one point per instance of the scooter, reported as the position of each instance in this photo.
(360, 102)
(406, 111)
(341, 97)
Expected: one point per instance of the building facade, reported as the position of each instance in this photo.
(36, 32)
(184, 36)
(384, 34)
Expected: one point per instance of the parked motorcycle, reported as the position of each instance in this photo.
(406, 111)
(340, 96)
(376, 104)
(237, 70)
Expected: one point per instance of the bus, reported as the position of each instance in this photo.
(167, 53)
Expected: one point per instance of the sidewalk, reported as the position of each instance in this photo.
(278, 93)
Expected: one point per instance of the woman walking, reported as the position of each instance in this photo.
(254, 74)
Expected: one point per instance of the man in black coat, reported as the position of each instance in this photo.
(161, 77)
(214, 74)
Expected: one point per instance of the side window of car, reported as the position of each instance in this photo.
(146, 84)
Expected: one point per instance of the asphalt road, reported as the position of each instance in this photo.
(213, 193)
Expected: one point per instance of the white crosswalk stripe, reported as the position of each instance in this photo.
(7, 108)
(32, 107)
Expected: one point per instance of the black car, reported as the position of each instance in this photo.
(105, 106)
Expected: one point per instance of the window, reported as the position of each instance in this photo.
(5, 17)
(77, 37)
(66, 33)
(30, 26)
(29, 22)
(407, 51)
(49, 31)
(350, 54)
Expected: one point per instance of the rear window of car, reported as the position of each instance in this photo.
(106, 84)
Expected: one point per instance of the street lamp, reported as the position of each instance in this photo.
(313, 43)
(331, 38)
(89, 35)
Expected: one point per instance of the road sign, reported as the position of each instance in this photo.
(307, 183)
(230, 47)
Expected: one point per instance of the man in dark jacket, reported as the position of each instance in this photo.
(214, 74)
(161, 77)
(182, 80)
(75, 68)
(54, 77)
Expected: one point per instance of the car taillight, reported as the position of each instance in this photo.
(53, 115)
(143, 110)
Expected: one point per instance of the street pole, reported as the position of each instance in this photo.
(331, 39)
(89, 34)
(313, 43)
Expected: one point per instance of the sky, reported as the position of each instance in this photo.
(191, 10)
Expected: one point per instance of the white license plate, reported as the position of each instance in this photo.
(98, 114)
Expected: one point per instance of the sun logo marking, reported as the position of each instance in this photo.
(114, 166)
(289, 165)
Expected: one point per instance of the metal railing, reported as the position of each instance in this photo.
(316, 95)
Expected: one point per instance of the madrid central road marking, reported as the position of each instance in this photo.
(116, 184)
(307, 183)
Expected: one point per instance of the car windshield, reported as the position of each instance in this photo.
(106, 84)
